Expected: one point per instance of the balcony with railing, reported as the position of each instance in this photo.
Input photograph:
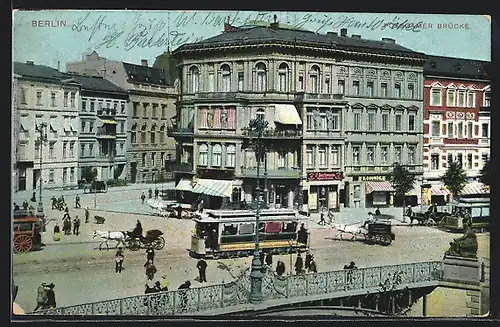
(106, 112)
(239, 96)
(292, 172)
(176, 131)
(304, 97)
(106, 132)
(274, 133)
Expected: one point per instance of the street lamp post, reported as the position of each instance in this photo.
(266, 190)
(42, 139)
(258, 125)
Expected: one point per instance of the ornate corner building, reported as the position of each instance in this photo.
(340, 110)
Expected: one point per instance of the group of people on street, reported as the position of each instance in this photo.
(331, 217)
(46, 298)
(150, 194)
(309, 265)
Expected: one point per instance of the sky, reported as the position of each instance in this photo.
(132, 35)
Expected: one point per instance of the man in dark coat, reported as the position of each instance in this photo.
(269, 259)
(76, 225)
(33, 197)
(312, 266)
(25, 205)
(302, 234)
(150, 256)
(77, 202)
(87, 215)
(41, 299)
(137, 232)
(308, 260)
(51, 296)
(280, 268)
(262, 255)
(150, 193)
(119, 257)
(143, 197)
(184, 287)
(299, 264)
(150, 271)
(157, 192)
(202, 267)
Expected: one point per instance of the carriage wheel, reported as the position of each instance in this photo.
(159, 243)
(134, 245)
(385, 240)
(431, 222)
(23, 244)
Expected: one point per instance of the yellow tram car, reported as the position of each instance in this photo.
(231, 233)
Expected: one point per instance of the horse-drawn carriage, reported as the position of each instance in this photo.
(130, 240)
(375, 232)
(26, 232)
(428, 215)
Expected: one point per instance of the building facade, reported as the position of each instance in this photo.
(45, 95)
(150, 107)
(103, 128)
(324, 106)
(15, 133)
(457, 116)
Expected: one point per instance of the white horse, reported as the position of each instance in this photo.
(352, 229)
(119, 237)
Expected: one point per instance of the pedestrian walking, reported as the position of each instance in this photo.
(150, 256)
(143, 197)
(269, 259)
(280, 268)
(33, 197)
(76, 225)
(87, 215)
(377, 212)
(307, 262)
(54, 202)
(25, 205)
(157, 192)
(150, 271)
(119, 257)
(150, 193)
(299, 264)
(77, 202)
(302, 234)
(51, 296)
(67, 225)
(41, 298)
(202, 268)
(322, 220)
(66, 213)
(312, 266)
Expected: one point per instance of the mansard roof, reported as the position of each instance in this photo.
(457, 68)
(146, 75)
(96, 83)
(39, 72)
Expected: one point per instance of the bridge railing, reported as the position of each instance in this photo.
(237, 292)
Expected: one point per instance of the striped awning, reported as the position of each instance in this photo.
(214, 187)
(184, 185)
(439, 190)
(287, 114)
(474, 188)
(378, 187)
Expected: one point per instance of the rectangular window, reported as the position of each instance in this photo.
(84, 124)
(163, 111)
(38, 98)
(145, 110)
(357, 191)
(335, 155)
(383, 90)
(341, 86)
(100, 104)
(301, 83)
(322, 156)
(92, 105)
(310, 156)
(450, 98)
(435, 97)
(485, 158)
(460, 160)
(24, 123)
(66, 99)
(357, 121)
(450, 129)
(71, 149)
(51, 176)
(91, 150)
(411, 122)
(355, 87)
(84, 104)
(122, 105)
(411, 155)
(52, 152)
(65, 154)
(369, 89)
(53, 124)
(469, 161)
(371, 121)
(470, 130)
(211, 82)
(323, 125)
(460, 131)
(65, 175)
(397, 90)
(436, 128)
(370, 155)
(310, 120)
(53, 99)
(411, 91)
(327, 86)
(485, 130)
(450, 158)
(72, 99)
(435, 161)
(72, 174)
(355, 155)
(385, 122)
(281, 158)
(37, 150)
(155, 108)
(384, 153)
(397, 153)
(487, 99)
(241, 79)
(334, 122)
(91, 127)
(82, 150)
(23, 96)
(461, 98)
(471, 99)
(399, 125)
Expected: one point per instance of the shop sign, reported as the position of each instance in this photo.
(320, 176)
(372, 178)
(215, 173)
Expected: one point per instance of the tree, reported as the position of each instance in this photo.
(89, 174)
(402, 181)
(485, 175)
(454, 178)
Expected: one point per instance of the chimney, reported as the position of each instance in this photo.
(332, 33)
(29, 62)
(343, 32)
(356, 36)
(144, 62)
(388, 40)
(275, 25)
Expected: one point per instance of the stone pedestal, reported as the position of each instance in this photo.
(461, 270)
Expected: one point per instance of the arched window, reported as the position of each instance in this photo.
(133, 134)
(143, 133)
(153, 134)
(226, 78)
(203, 154)
(194, 79)
(283, 77)
(217, 155)
(231, 155)
(261, 72)
(162, 134)
(314, 78)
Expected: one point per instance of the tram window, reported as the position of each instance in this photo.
(485, 212)
(476, 212)
(246, 229)
(23, 227)
(261, 227)
(230, 229)
(290, 227)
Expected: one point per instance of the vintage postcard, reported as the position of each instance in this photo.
(258, 164)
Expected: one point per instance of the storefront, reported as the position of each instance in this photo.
(280, 193)
(378, 191)
(324, 189)
(439, 195)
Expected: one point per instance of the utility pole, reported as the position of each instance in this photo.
(42, 139)
(258, 125)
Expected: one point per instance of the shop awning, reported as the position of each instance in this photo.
(214, 187)
(439, 190)
(287, 114)
(184, 185)
(109, 122)
(474, 188)
(378, 187)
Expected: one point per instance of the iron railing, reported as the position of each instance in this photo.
(237, 292)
